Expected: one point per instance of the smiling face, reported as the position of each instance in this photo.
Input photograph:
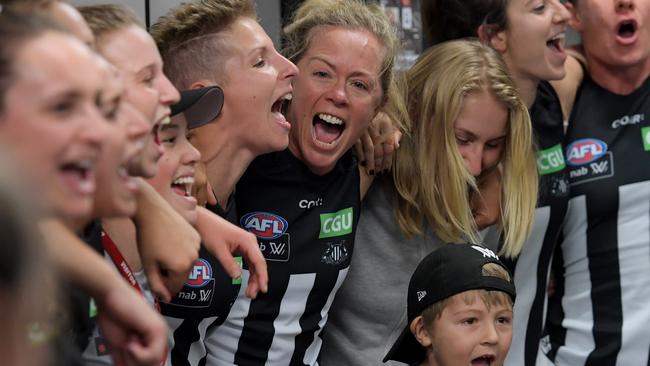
(176, 168)
(469, 333)
(481, 129)
(128, 130)
(336, 95)
(532, 44)
(614, 33)
(52, 124)
(133, 51)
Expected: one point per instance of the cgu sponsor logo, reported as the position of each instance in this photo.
(585, 151)
(336, 224)
(200, 274)
(264, 225)
(550, 160)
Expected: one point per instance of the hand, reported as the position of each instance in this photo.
(486, 204)
(201, 188)
(167, 243)
(131, 327)
(376, 146)
(135, 333)
(222, 239)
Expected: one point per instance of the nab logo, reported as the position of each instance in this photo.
(200, 274)
(584, 151)
(264, 225)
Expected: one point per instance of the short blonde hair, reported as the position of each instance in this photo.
(429, 174)
(354, 14)
(187, 37)
(108, 18)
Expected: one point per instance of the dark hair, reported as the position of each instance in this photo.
(17, 28)
(445, 20)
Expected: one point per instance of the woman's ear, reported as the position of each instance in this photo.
(201, 84)
(420, 332)
(574, 22)
(489, 35)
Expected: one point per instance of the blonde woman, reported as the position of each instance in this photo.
(465, 119)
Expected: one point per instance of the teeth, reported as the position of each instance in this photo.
(84, 164)
(184, 180)
(287, 96)
(330, 119)
(166, 120)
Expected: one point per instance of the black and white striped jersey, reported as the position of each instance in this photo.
(531, 267)
(600, 314)
(305, 226)
(202, 304)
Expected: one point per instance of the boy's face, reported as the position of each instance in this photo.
(467, 333)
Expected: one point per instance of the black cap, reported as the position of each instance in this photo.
(447, 271)
(199, 106)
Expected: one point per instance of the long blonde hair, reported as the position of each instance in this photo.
(429, 174)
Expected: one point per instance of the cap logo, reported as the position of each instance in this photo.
(486, 252)
(421, 295)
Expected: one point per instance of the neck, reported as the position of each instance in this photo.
(226, 168)
(122, 232)
(527, 89)
(621, 80)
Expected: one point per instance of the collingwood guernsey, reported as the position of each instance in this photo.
(305, 226)
(600, 312)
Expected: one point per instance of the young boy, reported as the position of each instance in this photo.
(459, 306)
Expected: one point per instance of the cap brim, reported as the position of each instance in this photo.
(406, 349)
(200, 106)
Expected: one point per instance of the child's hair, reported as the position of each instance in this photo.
(489, 297)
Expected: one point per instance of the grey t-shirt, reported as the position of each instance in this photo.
(369, 311)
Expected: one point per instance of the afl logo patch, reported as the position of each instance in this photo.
(264, 225)
(585, 151)
(200, 274)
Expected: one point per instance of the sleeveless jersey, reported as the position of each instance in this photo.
(305, 226)
(600, 314)
(202, 304)
(531, 267)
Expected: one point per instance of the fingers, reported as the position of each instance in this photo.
(368, 148)
(223, 253)
(256, 262)
(156, 283)
(358, 148)
(174, 281)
